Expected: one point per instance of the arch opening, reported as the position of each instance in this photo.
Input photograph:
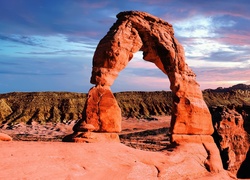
(140, 75)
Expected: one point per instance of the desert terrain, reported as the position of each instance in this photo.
(146, 134)
(128, 135)
(37, 152)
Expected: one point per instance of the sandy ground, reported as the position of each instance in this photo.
(134, 125)
(134, 131)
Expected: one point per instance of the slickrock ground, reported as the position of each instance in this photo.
(56, 160)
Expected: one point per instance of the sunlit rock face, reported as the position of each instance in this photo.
(102, 110)
(231, 137)
(138, 31)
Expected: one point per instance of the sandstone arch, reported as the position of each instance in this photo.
(138, 31)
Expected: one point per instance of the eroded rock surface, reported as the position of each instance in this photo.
(5, 110)
(42, 107)
(138, 31)
(231, 137)
(102, 110)
(40, 160)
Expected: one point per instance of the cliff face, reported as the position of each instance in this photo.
(63, 106)
(141, 104)
(216, 98)
(40, 106)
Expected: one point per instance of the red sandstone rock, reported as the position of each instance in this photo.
(232, 138)
(92, 137)
(138, 31)
(55, 160)
(86, 127)
(213, 162)
(102, 110)
(5, 137)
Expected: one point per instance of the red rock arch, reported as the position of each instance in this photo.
(138, 31)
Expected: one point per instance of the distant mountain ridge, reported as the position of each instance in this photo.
(56, 107)
(234, 87)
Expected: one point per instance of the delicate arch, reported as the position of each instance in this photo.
(138, 31)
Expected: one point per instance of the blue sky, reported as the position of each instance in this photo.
(48, 45)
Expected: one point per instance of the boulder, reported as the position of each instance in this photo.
(5, 137)
(86, 127)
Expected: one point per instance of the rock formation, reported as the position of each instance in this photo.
(5, 137)
(231, 137)
(191, 122)
(138, 31)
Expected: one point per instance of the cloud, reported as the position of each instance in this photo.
(214, 77)
(42, 38)
(46, 46)
(44, 74)
(31, 73)
(25, 40)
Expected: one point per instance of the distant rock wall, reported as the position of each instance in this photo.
(237, 97)
(145, 104)
(64, 106)
(40, 107)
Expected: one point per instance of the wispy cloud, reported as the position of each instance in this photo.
(21, 39)
(31, 73)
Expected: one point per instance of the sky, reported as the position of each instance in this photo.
(48, 45)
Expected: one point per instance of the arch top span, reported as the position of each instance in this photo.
(139, 31)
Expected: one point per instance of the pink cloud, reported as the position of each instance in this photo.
(241, 39)
(223, 77)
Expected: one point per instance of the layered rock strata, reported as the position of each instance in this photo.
(62, 107)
